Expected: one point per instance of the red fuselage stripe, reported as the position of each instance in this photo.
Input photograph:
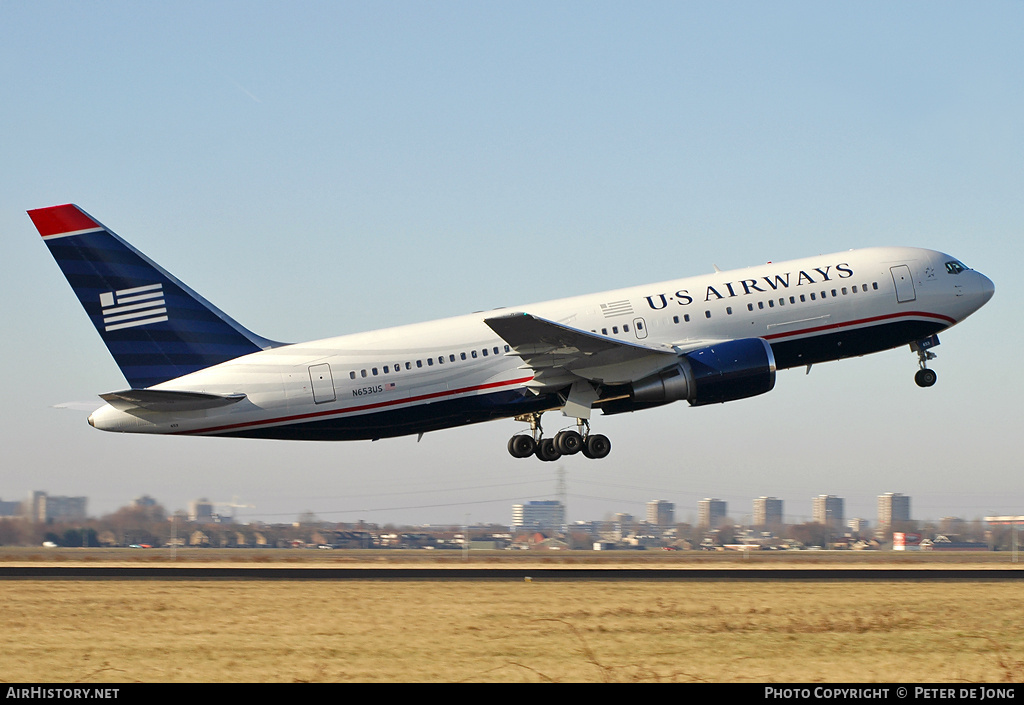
(362, 407)
(524, 380)
(861, 321)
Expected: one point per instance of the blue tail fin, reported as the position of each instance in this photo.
(155, 327)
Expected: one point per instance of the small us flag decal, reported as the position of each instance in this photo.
(138, 306)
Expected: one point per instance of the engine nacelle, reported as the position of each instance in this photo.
(736, 369)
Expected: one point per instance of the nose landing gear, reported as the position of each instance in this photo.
(567, 442)
(925, 377)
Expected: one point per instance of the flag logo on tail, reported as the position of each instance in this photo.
(129, 308)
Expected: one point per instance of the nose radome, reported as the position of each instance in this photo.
(988, 288)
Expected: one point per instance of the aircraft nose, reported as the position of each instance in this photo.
(986, 288)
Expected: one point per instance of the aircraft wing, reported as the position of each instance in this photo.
(560, 355)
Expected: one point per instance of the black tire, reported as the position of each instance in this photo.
(568, 442)
(546, 450)
(925, 377)
(598, 446)
(521, 446)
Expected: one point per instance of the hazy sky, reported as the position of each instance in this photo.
(320, 168)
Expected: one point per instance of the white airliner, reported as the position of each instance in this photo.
(713, 338)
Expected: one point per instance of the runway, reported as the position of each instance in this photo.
(518, 574)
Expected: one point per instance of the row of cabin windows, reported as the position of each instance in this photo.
(792, 299)
(397, 367)
(761, 304)
(814, 296)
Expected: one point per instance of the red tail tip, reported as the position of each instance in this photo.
(57, 220)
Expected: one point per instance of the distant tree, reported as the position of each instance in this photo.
(811, 533)
(77, 538)
(12, 531)
(135, 524)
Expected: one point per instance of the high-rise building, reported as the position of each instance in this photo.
(828, 509)
(711, 513)
(893, 507)
(43, 508)
(767, 511)
(201, 511)
(661, 513)
(547, 515)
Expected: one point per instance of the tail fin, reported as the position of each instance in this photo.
(155, 327)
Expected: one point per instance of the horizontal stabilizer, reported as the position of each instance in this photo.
(168, 400)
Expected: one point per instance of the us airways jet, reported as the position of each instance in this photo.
(193, 370)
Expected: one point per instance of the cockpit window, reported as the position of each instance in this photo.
(955, 267)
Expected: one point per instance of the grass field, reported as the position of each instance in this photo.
(242, 631)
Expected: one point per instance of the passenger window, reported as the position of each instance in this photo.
(496, 351)
(485, 352)
(385, 369)
(750, 307)
(352, 374)
(451, 358)
(675, 319)
(419, 363)
(473, 353)
(854, 290)
(615, 330)
(362, 373)
(408, 365)
(462, 355)
(803, 299)
(625, 328)
(508, 349)
(604, 331)
(874, 285)
(440, 360)
(844, 291)
(792, 299)
(430, 362)
(374, 371)
(707, 314)
(833, 293)
(813, 298)
(686, 317)
(771, 303)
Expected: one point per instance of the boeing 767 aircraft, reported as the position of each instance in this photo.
(193, 370)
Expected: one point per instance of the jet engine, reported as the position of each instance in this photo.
(722, 372)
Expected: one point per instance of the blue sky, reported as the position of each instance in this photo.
(323, 168)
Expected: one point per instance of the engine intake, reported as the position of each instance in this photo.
(736, 369)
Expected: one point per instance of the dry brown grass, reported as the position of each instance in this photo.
(113, 631)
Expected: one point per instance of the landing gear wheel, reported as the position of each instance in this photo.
(925, 377)
(568, 442)
(597, 446)
(546, 450)
(521, 446)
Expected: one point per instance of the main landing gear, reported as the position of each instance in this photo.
(925, 377)
(568, 442)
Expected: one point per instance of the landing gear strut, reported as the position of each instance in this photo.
(567, 442)
(925, 377)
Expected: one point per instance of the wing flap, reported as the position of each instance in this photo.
(559, 353)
